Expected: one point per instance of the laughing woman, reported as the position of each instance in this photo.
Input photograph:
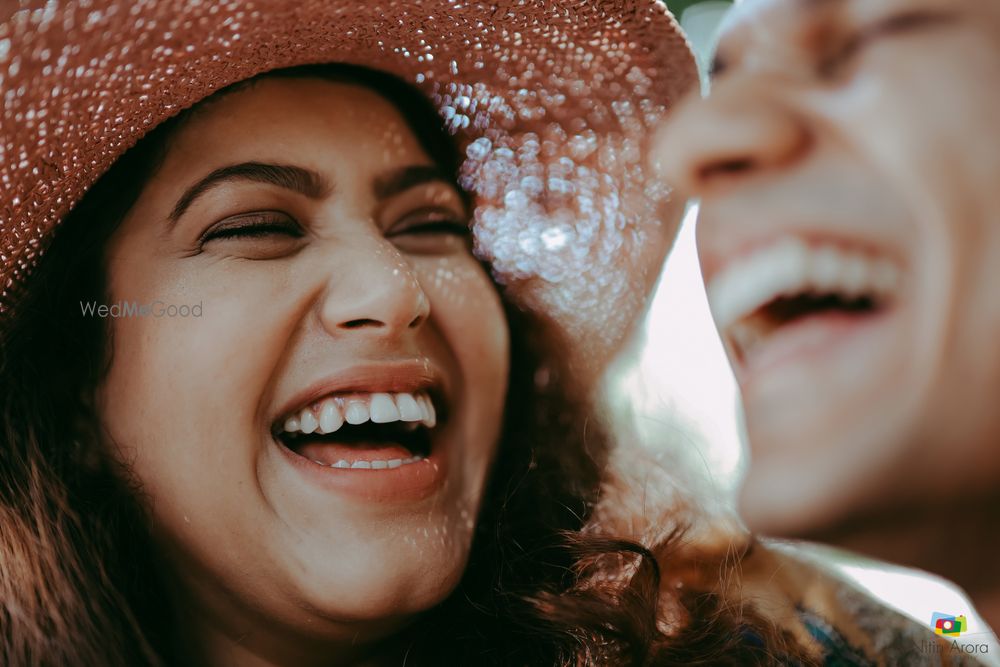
(262, 404)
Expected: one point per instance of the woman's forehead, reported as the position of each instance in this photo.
(345, 136)
(290, 108)
(324, 124)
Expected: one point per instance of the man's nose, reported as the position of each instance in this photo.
(740, 131)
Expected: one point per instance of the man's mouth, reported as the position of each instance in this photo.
(361, 431)
(779, 286)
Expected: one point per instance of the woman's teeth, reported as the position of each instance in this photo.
(328, 415)
(791, 268)
(361, 464)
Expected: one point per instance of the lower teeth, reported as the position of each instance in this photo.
(372, 465)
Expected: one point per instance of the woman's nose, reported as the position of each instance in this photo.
(373, 290)
(740, 131)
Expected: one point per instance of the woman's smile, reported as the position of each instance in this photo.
(377, 431)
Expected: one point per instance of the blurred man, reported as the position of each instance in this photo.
(848, 166)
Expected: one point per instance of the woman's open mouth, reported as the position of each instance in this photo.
(382, 445)
(793, 296)
(360, 431)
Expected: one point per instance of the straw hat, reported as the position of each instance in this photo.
(553, 102)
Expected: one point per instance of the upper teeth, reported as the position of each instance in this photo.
(791, 267)
(328, 415)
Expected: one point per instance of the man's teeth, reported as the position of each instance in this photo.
(792, 267)
(381, 408)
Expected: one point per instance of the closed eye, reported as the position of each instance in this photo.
(897, 24)
(253, 225)
(440, 227)
(260, 235)
(432, 232)
(432, 221)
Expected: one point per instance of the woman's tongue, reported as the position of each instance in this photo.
(331, 453)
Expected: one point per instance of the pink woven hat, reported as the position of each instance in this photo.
(552, 101)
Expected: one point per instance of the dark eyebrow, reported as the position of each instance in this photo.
(401, 180)
(297, 179)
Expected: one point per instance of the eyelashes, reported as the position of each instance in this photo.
(897, 24)
(279, 230)
(253, 225)
(440, 227)
(429, 222)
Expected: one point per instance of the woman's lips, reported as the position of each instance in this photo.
(372, 471)
(374, 431)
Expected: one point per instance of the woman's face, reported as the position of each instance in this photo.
(846, 162)
(313, 446)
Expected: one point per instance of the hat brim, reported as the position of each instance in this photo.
(552, 101)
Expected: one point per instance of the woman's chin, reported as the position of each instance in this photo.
(385, 589)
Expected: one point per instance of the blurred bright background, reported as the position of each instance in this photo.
(684, 387)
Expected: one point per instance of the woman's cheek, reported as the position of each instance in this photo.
(210, 366)
(467, 307)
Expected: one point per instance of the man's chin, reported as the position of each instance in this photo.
(836, 490)
(785, 499)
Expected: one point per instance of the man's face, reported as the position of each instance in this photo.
(847, 163)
